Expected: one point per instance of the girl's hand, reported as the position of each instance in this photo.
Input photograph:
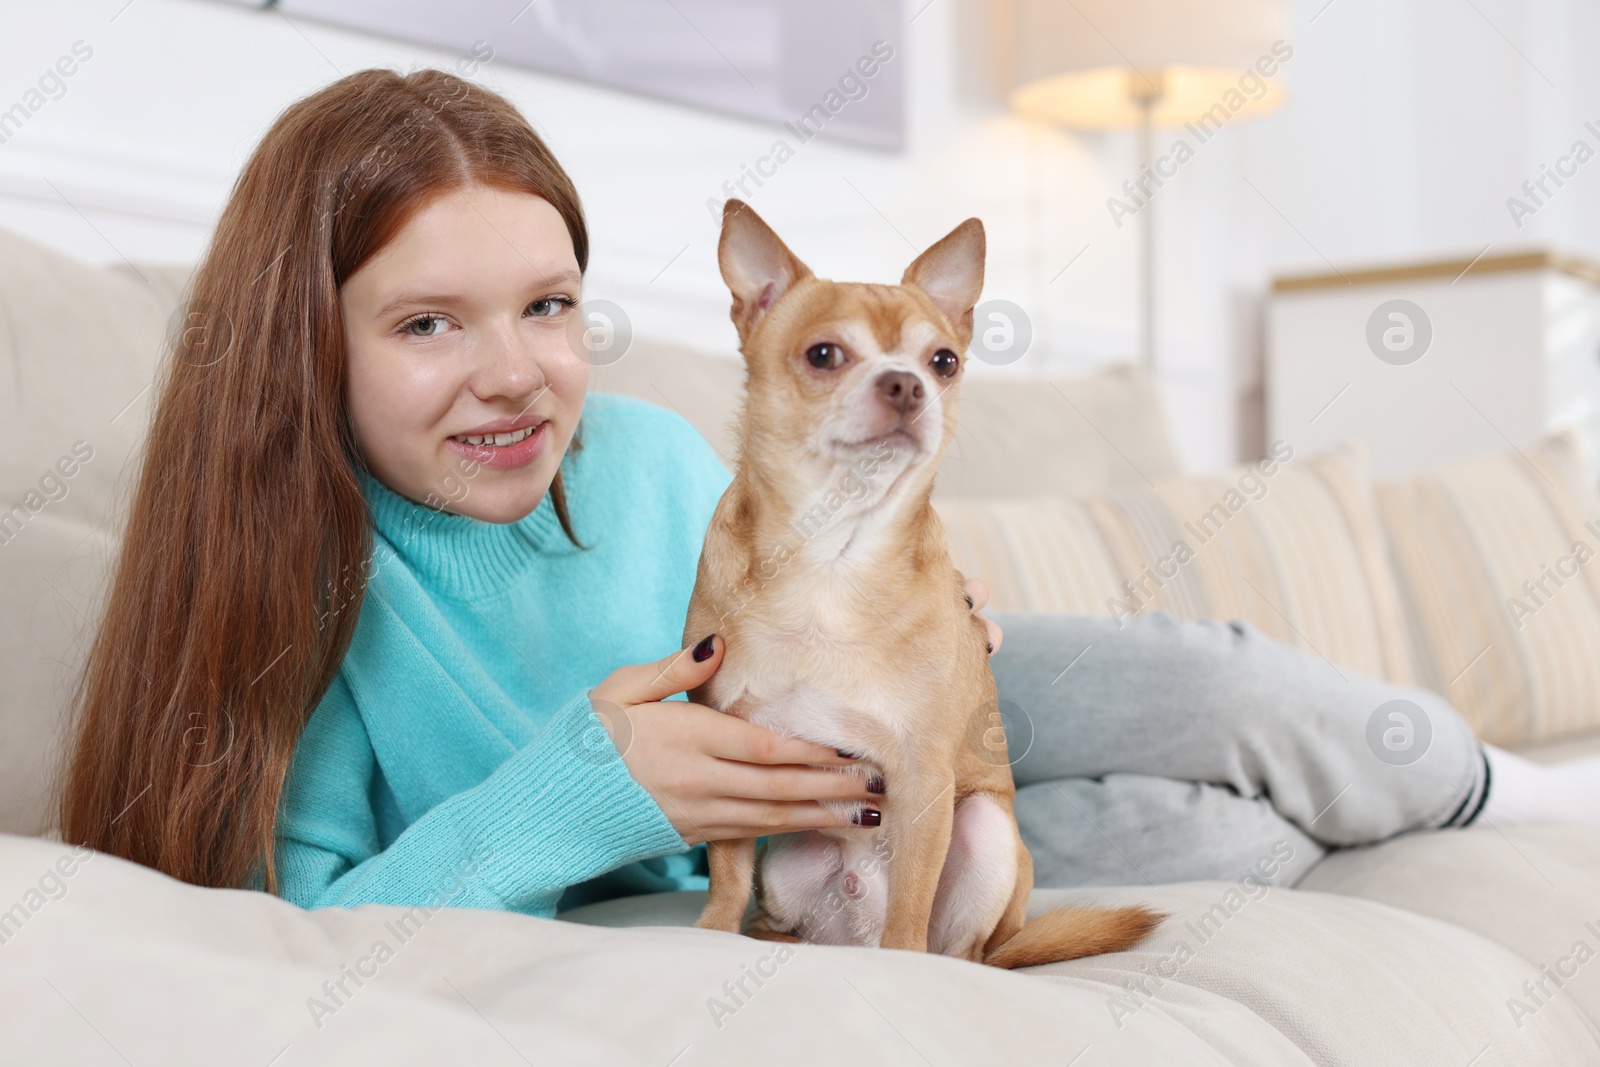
(978, 595)
(715, 775)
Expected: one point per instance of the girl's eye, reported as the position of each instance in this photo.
(550, 306)
(422, 326)
(824, 356)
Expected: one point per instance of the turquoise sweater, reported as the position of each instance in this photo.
(456, 757)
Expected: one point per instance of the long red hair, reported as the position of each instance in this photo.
(240, 576)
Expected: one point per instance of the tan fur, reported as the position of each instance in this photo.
(862, 632)
(1068, 933)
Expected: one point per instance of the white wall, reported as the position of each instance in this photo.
(1409, 124)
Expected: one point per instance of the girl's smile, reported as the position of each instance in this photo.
(504, 449)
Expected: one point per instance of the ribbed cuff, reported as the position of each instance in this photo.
(1472, 803)
(564, 809)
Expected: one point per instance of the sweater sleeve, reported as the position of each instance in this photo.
(562, 809)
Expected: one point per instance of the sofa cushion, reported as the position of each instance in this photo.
(114, 953)
(1563, 750)
(1498, 566)
(80, 346)
(1503, 904)
(174, 974)
(1291, 544)
(1087, 434)
(1533, 889)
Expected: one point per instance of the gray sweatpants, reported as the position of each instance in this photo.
(1164, 750)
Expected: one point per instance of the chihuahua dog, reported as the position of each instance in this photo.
(825, 570)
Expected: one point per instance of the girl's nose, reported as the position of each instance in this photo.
(508, 366)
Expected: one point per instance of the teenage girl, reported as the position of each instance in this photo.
(395, 595)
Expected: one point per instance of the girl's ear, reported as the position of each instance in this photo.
(757, 266)
(951, 272)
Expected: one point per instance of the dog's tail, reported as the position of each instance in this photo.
(1068, 933)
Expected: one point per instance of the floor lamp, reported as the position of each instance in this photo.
(1144, 64)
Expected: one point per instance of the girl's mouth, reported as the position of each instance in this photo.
(503, 451)
(499, 440)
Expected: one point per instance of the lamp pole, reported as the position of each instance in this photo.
(1146, 91)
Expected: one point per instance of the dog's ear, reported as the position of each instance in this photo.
(951, 272)
(756, 265)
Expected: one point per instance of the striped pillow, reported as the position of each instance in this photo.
(1293, 546)
(1496, 562)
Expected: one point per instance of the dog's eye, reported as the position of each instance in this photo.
(945, 363)
(824, 356)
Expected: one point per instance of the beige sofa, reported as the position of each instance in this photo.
(1415, 951)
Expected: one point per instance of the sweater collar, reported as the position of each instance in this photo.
(458, 555)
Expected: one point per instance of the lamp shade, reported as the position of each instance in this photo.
(1091, 64)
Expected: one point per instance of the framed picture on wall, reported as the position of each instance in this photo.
(828, 68)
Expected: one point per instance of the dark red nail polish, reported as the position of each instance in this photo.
(875, 784)
(703, 650)
(969, 601)
(990, 645)
(867, 817)
(846, 755)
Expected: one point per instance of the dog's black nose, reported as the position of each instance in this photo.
(901, 390)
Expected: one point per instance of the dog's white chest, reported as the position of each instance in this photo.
(797, 695)
(805, 711)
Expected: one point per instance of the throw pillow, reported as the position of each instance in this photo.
(1292, 545)
(1497, 567)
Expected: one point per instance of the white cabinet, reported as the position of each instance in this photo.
(1433, 363)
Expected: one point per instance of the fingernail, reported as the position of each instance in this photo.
(969, 600)
(702, 651)
(990, 645)
(867, 817)
(875, 784)
(846, 755)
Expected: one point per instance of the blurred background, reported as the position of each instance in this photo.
(1400, 135)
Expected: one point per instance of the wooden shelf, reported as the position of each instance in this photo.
(1538, 259)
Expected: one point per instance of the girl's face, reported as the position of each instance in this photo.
(464, 386)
